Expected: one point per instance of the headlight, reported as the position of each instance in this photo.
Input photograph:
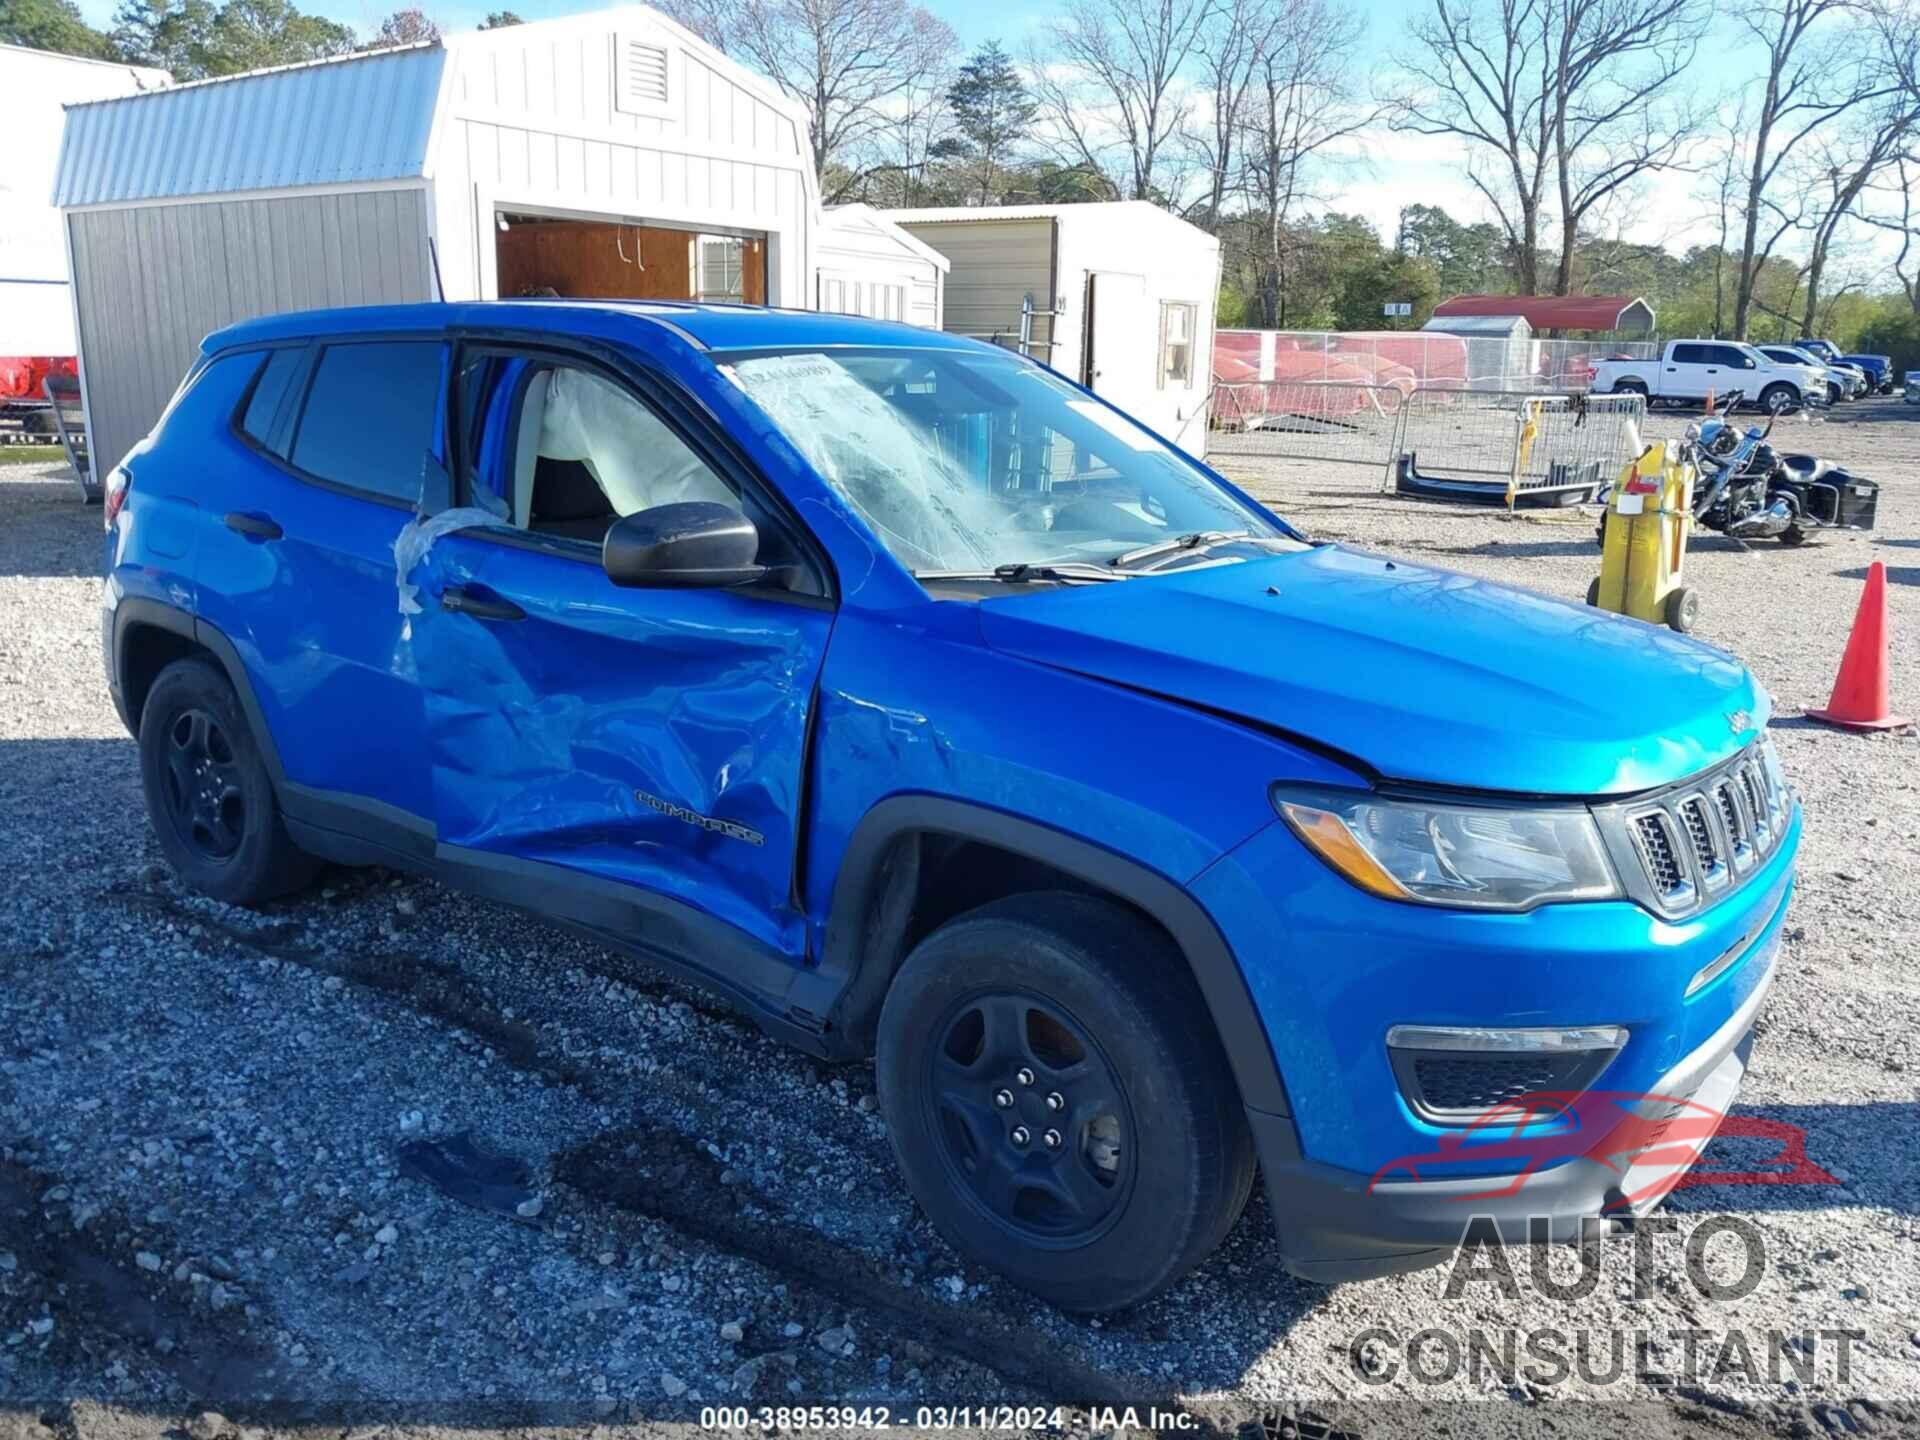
(1477, 857)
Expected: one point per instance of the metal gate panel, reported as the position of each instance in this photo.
(1332, 422)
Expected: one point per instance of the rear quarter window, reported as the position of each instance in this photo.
(270, 394)
(370, 416)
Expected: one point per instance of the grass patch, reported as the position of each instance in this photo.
(30, 454)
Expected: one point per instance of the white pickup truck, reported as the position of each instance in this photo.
(1691, 370)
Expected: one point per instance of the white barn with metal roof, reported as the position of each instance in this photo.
(612, 154)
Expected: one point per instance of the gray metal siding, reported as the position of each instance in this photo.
(996, 264)
(358, 119)
(153, 281)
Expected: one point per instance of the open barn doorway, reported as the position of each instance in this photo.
(591, 259)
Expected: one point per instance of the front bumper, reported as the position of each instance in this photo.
(1337, 1225)
(1332, 970)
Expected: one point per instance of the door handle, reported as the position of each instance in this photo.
(463, 601)
(254, 527)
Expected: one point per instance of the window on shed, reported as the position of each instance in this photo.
(269, 392)
(643, 76)
(723, 271)
(370, 416)
(1176, 344)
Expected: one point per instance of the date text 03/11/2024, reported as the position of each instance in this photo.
(1020, 1418)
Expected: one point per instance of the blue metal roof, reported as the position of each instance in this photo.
(356, 119)
(716, 327)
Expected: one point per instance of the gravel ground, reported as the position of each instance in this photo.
(203, 1110)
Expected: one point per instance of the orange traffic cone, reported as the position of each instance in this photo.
(1709, 410)
(1859, 700)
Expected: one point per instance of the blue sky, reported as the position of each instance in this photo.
(1397, 169)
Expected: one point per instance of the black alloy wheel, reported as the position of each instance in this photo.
(1031, 1117)
(205, 796)
(209, 791)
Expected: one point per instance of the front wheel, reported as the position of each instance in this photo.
(1778, 399)
(1059, 1102)
(1683, 609)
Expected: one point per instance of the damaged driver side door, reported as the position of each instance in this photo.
(633, 758)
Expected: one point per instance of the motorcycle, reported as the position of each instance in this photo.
(1748, 491)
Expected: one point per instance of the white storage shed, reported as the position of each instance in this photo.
(36, 312)
(1120, 296)
(867, 265)
(611, 155)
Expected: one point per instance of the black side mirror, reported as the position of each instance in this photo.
(691, 545)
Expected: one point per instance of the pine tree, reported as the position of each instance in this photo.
(993, 112)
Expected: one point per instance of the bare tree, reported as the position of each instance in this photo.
(1228, 57)
(1816, 72)
(1905, 223)
(1301, 109)
(1108, 80)
(1572, 89)
(1479, 71)
(1723, 196)
(1848, 162)
(849, 62)
(1613, 64)
(902, 150)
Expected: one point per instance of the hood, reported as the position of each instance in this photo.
(1422, 675)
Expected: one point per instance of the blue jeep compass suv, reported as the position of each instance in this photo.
(935, 711)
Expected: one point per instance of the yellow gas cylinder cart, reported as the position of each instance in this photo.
(1643, 542)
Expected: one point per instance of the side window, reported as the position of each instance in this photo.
(1737, 359)
(562, 451)
(269, 394)
(1691, 355)
(370, 415)
(1176, 345)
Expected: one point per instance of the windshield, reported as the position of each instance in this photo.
(962, 460)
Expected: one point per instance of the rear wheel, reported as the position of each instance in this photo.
(208, 792)
(1059, 1102)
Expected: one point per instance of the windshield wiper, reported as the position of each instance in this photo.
(1021, 572)
(1179, 545)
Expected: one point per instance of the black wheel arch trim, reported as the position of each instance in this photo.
(134, 610)
(860, 971)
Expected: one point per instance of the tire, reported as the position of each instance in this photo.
(1779, 397)
(1593, 593)
(1682, 609)
(209, 795)
(1600, 531)
(1631, 387)
(1793, 536)
(1835, 395)
(1048, 1005)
